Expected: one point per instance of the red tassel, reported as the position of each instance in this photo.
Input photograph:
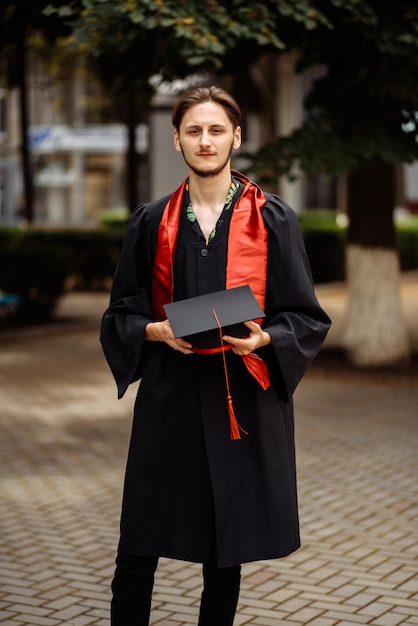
(233, 424)
(234, 427)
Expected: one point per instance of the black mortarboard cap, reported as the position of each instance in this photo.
(193, 319)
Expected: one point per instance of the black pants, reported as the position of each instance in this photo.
(134, 580)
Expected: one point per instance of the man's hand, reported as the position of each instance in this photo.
(162, 331)
(257, 338)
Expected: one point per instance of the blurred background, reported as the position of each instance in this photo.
(330, 114)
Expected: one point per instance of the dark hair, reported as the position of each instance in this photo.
(199, 95)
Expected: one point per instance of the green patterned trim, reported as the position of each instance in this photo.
(228, 203)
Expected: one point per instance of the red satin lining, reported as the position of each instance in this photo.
(248, 242)
(217, 350)
(163, 273)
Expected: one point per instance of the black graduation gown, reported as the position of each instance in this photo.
(184, 475)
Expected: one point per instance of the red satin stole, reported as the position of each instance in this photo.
(246, 259)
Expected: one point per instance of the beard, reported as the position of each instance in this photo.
(209, 173)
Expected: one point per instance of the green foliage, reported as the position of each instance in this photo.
(36, 272)
(325, 244)
(407, 243)
(39, 266)
(133, 40)
(114, 219)
(365, 104)
(170, 37)
(92, 254)
(22, 23)
(317, 220)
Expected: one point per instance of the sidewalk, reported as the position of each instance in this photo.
(63, 443)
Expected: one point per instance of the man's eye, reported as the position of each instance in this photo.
(193, 132)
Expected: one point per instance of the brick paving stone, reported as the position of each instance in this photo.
(341, 617)
(37, 620)
(81, 620)
(282, 595)
(22, 600)
(327, 604)
(258, 577)
(5, 615)
(240, 620)
(346, 623)
(389, 619)
(375, 609)
(273, 614)
(411, 587)
(168, 622)
(63, 444)
(361, 599)
(262, 620)
(188, 613)
(322, 621)
(306, 615)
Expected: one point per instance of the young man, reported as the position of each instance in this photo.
(194, 491)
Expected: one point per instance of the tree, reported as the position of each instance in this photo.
(20, 20)
(361, 119)
(133, 40)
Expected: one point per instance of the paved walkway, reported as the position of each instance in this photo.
(63, 442)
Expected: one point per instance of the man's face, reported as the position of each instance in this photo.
(206, 138)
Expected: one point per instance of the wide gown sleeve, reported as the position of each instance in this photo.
(129, 312)
(294, 319)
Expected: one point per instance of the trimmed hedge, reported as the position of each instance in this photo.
(325, 243)
(40, 265)
(407, 241)
(93, 254)
(34, 271)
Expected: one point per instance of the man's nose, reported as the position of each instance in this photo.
(205, 138)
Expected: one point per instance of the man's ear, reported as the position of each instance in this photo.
(237, 138)
(177, 143)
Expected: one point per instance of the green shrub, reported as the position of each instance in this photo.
(324, 242)
(36, 273)
(39, 265)
(93, 254)
(114, 219)
(407, 242)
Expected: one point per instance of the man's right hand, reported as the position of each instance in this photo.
(162, 331)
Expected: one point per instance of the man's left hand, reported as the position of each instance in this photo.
(257, 338)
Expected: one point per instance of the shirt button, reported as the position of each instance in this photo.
(204, 252)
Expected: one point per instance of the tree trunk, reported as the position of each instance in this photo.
(28, 212)
(375, 334)
(137, 184)
(131, 154)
